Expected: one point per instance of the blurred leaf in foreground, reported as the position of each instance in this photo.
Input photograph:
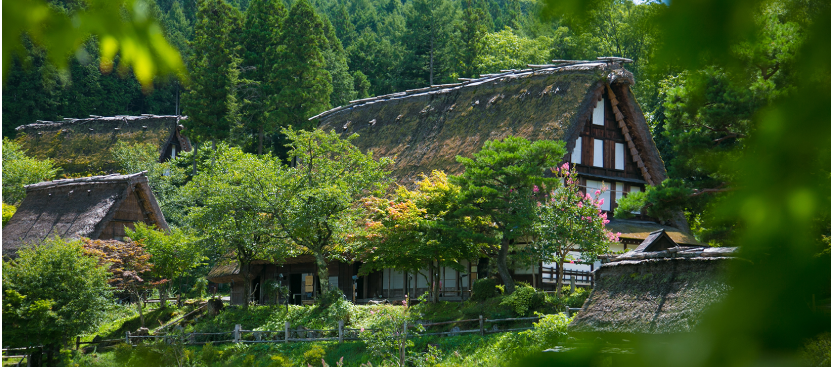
(124, 28)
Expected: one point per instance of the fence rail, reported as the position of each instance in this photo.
(340, 334)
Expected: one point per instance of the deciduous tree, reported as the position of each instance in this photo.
(499, 182)
(51, 292)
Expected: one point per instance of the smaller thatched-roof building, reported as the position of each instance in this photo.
(96, 207)
(660, 287)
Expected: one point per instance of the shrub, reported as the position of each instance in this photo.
(577, 298)
(8, 212)
(484, 289)
(524, 299)
(277, 361)
(314, 355)
(210, 354)
(122, 352)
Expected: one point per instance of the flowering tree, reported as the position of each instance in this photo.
(570, 221)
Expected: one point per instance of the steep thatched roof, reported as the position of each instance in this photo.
(83, 145)
(425, 129)
(634, 231)
(81, 207)
(655, 292)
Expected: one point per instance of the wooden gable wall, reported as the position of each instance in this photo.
(128, 213)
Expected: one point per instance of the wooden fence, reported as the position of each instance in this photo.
(339, 334)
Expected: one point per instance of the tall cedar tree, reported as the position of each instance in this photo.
(343, 85)
(301, 68)
(263, 24)
(500, 180)
(429, 25)
(476, 20)
(211, 103)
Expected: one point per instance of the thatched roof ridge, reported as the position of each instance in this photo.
(425, 129)
(639, 230)
(82, 145)
(655, 292)
(74, 208)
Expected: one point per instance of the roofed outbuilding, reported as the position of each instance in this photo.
(96, 207)
(660, 287)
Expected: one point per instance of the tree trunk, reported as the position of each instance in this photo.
(195, 149)
(246, 286)
(213, 155)
(163, 296)
(560, 277)
(140, 303)
(431, 61)
(502, 265)
(322, 272)
(260, 135)
(432, 282)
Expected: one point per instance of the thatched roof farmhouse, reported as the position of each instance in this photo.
(586, 104)
(660, 287)
(83, 145)
(96, 207)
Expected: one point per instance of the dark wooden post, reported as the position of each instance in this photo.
(77, 342)
(481, 325)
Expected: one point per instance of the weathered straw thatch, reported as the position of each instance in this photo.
(655, 292)
(95, 207)
(425, 129)
(83, 145)
(636, 231)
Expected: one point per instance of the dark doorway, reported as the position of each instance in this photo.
(295, 281)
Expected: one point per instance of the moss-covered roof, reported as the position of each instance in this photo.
(75, 208)
(426, 129)
(655, 292)
(83, 146)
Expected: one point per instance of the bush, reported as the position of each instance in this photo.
(8, 212)
(314, 356)
(122, 353)
(524, 299)
(577, 298)
(484, 289)
(210, 354)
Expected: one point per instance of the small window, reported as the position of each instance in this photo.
(593, 186)
(577, 152)
(598, 153)
(598, 117)
(619, 156)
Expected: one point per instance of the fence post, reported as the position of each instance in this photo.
(127, 336)
(571, 282)
(77, 342)
(288, 325)
(237, 333)
(403, 344)
(481, 325)
(340, 331)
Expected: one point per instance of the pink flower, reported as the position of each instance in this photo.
(580, 204)
(596, 192)
(588, 196)
(539, 204)
(600, 202)
(572, 261)
(565, 166)
(536, 189)
(605, 221)
(362, 329)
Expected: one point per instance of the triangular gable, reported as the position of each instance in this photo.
(657, 241)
